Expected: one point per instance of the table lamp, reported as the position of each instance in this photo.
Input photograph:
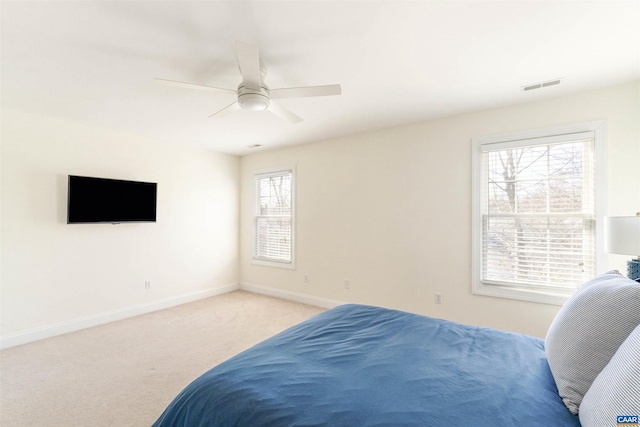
(622, 236)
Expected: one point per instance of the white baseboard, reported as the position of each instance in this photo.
(12, 340)
(31, 335)
(291, 296)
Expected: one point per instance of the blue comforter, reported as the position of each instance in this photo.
(357, 365)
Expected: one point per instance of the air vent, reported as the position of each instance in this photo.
(551, 83)
(541, 85)
(254, 146)
(532, 87)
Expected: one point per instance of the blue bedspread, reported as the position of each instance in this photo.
(357, 365)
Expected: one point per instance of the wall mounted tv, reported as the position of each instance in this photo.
(96, 200)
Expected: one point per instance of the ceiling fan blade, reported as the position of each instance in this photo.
(226, 110)
(300, 92)
(249, 62)
(193, 86)
(282, 112)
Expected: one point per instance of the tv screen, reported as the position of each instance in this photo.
(92, 200)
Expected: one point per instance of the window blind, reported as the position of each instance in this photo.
(538, 212)
(273, 216)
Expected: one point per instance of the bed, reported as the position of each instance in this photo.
(358, 365)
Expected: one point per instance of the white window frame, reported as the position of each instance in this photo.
(255, 213)
(548, 296)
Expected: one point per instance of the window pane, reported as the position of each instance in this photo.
(548, 178)
(551, 251)
(273, 238)
(274, 195)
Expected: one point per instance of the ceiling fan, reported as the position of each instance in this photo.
(253, 94)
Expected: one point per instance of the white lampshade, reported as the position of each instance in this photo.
(622, 235)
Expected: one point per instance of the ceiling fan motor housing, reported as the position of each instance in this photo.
(253, 100)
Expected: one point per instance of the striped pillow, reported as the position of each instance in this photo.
(587, 332)
(616, 390)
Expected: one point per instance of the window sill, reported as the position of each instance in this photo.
(532, 295)
(265, 263)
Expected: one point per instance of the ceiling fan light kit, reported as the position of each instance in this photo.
(252, 93)
(253, 101)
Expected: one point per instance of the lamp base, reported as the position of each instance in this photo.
(633, 269)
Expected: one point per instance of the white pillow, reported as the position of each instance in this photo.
(588, 330)
(616, 390)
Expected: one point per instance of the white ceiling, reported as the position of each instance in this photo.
(397, 62)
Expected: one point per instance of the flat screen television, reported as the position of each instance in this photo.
(96, 200)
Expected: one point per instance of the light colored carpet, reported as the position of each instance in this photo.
(125, 373)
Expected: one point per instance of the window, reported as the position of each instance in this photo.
(273, 216)
(536, 211)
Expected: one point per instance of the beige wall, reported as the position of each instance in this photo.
(57, 274)
(390, 210)
(387, 210)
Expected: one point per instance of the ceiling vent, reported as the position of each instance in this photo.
(541, 85)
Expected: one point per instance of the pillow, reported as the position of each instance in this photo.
(588, 330)
(616, 390)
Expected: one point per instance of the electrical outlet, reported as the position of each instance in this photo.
(347, 284)
(306, 278)
(438, 298)
(147, 284)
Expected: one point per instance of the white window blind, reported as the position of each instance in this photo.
(537, 198)
(538, 212)
(273, 217)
